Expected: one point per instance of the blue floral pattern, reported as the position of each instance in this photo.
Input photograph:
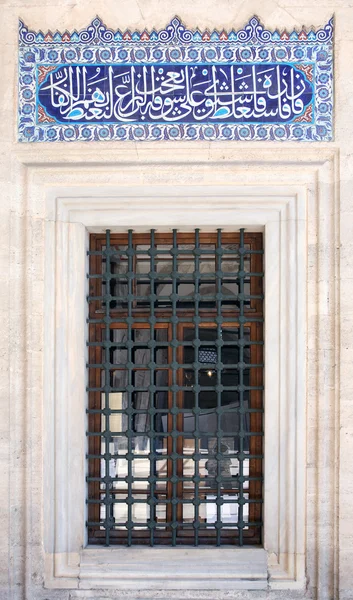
(308, 51)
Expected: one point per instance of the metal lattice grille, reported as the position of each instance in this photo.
(175, 388)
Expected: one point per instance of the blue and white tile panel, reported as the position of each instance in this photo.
(178, 84)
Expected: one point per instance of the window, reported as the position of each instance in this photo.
(175, 388)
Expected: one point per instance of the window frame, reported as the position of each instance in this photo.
(282, 218)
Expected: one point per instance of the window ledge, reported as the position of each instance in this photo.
(174, 568)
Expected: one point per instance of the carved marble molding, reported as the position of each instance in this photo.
(65, 195)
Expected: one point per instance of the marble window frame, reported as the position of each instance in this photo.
(293, 198)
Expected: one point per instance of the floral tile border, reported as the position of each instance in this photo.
(309, 52)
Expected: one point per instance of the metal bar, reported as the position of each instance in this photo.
(196, 391)
(129, 388)
(217, 323)
(241, 392)
(109, 517)
(152, 506)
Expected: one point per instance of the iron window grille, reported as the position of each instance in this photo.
(175, 388)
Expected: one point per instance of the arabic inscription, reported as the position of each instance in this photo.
(179, 93)
(176, 84)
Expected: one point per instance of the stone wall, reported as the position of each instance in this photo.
(25, 174)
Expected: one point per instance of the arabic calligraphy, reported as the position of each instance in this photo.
(268, 93)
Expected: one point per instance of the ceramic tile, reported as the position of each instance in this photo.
(100, 84)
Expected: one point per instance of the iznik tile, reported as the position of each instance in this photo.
(175, 84)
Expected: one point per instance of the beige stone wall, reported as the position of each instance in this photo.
(23, 493)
